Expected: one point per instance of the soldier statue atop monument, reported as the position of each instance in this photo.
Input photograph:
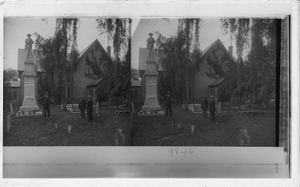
(150, 46)
(28, 46)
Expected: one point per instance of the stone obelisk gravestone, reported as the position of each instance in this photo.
(29, 106)
(151, 106)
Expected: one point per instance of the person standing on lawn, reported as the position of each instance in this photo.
(204, 106)
(212, 109)
(82, 106)
(89, 109)
(168, 104)
(46, 105)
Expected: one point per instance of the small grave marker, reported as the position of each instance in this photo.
(132, 108)
(178, 125)
(8, 122)
(97, 107)
(56, 125)
(69, 129)
(119, 137)
(219, 107)
(192, 129)
(11, 108)
(244, 138)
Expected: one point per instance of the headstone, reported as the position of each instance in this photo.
(219, 107)
(29, 76)
(69, 129)
(97, 107)
(178, 125)
(56, 125)
(151, 101)
(119, 137)
(192, 129)
(11, 108)
(8, 122)
(132, 108)
(244, 138)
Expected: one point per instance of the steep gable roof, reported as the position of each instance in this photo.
(94, 83)
(217, 82)
(90, 47)
(207, 50)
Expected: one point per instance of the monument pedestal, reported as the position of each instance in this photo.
(151, 106)
(29, 106)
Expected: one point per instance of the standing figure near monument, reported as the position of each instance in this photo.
(150, 46)
(204, 106)
(46, 105)
(212, 108)
(168, 104)
(89, 109)
(82, 105)
(28, 46)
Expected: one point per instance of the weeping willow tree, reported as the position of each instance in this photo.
(58, 58)
(117, 31)
(179, 55)
(257, 64)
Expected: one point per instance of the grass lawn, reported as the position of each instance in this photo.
(163, 131)
(37, 131)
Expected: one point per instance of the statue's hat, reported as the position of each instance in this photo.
(29, 35)
(150, 34)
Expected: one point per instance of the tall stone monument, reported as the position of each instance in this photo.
(29, 102)
(151, 106)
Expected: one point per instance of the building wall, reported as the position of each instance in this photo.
(80, 79)
(92, 92)
(15, 93)
(202, 81)
(136, 94)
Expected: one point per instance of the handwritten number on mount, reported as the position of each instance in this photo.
(178, 150)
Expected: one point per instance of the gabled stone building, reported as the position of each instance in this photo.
(207, 82)
(83, 85)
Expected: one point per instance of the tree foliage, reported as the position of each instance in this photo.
(257, 66)
(178, 55)
(8, 75)
(116, 79)
(59, 56)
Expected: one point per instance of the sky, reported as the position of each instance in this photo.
(16, 30)
(209, 33)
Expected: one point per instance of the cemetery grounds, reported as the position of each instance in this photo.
(37, 131)
(164, 131)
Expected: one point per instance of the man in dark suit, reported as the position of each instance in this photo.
(46, 105)
(212, 108)
(82, 106)
(168, 104)
(204, 106)
(89, 109)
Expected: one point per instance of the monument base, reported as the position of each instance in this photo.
(30, 114)
(151, 113)
(29, 105)
(151, 107)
